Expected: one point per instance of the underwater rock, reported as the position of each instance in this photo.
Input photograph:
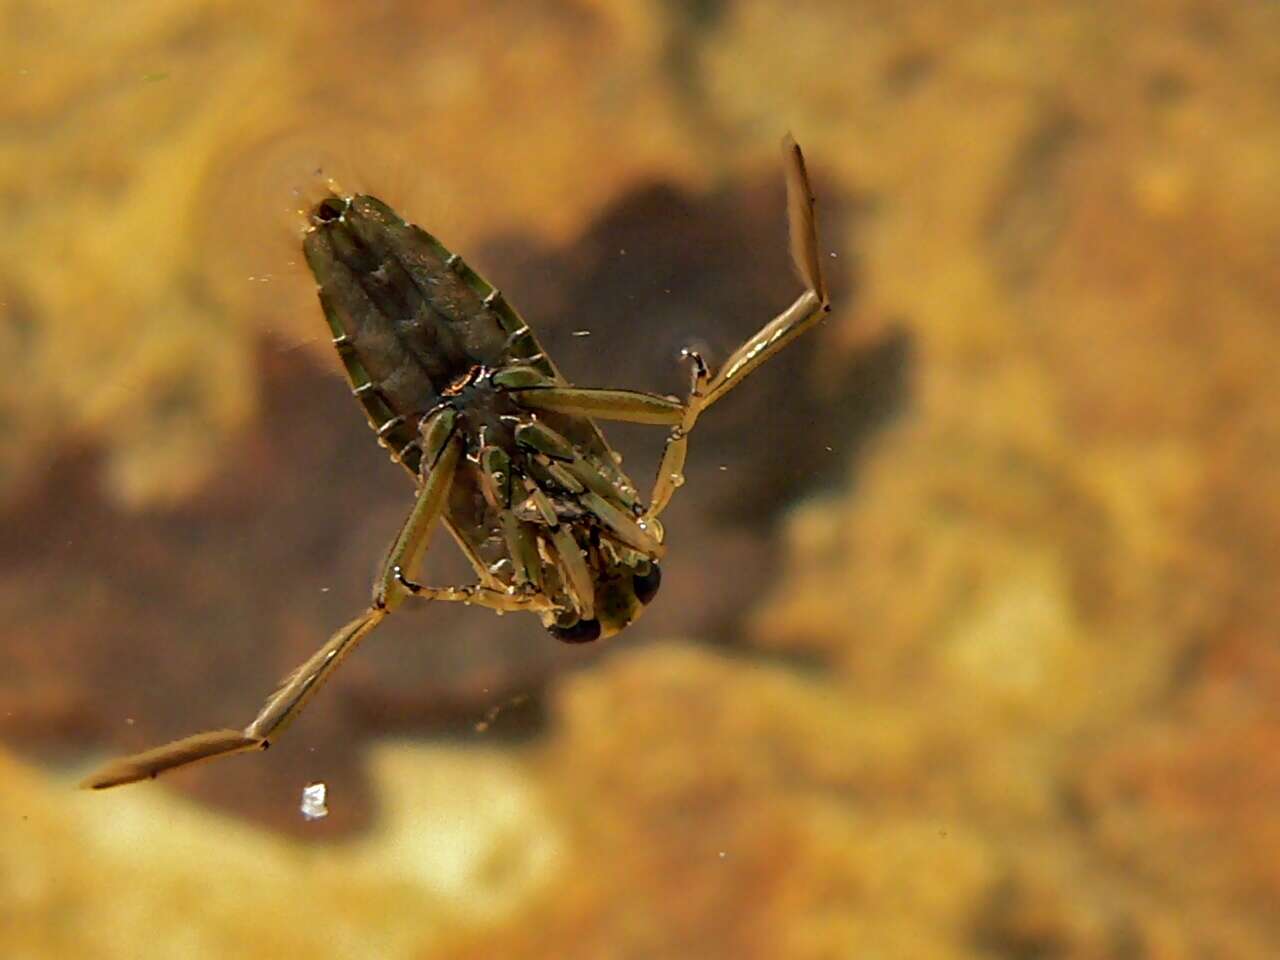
(465, 837)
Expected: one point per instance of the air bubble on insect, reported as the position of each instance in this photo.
(500, 567)
(677, 479)
(313, 805)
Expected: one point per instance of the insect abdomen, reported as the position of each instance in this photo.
(408, 317)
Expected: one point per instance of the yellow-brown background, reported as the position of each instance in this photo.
(968, 645)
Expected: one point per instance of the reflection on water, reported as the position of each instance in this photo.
(965, 646)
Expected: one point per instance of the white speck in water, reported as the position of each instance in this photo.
(313, 807)
(324, 589)
(130, 721)
(723, 467)
(833, 255)
(829, 450)
(722, 854)
(582, 333)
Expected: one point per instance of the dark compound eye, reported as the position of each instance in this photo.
(646, 585)
(329, 209)
(584, 631)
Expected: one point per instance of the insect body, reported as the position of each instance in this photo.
(457, 388)
(503, 450)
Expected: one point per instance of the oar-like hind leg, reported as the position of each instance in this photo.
(390, 590)
(706, 388)
(283, 706)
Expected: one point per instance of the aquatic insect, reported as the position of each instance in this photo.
(502, 449)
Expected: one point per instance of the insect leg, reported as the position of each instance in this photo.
(630, 406)
(440, 455)
(442, 450)
(636, 407)
(395, 584)
(577, 576)
(287, 702)
(282, 707)
(807, 309)
(476, 594)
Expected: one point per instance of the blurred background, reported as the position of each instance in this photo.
(967, 643)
